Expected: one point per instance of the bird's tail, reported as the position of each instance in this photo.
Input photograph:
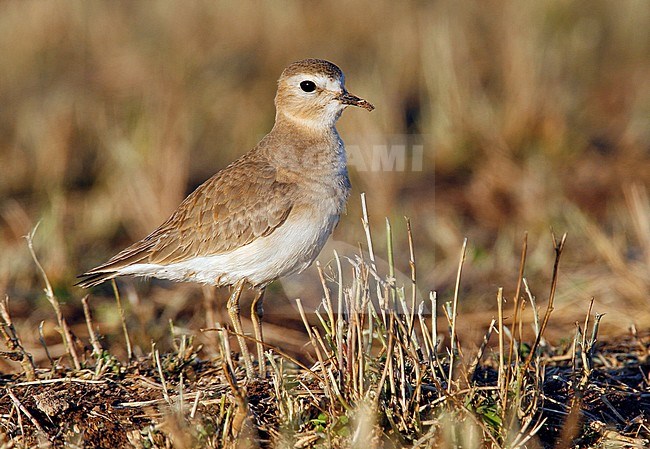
(132, 255)
(92, 278)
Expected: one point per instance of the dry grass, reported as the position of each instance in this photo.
(382, 375)
(531, 115)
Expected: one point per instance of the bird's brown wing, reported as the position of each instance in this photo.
(239, 204)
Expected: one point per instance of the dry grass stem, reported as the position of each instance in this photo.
(125, 330)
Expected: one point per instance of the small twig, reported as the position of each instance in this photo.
(391, 265)
(59, 380)
(195, 406)
(594, 333)
(24, 410)
(224, 346)
(531, 434)
(481, 350)
(72, 350)
(433, 297)
(503, 386)
(409, 233)
(338, 332)
(41, 339)
(20, 418)
(181, 398)
(326, 292)
(49, 293)
(314, 343)
(426, 336)
(454, 314)
(584, 353)
(129, 349)
(533, 305)
(12, 340)
(365, 221)
(559, 247)
(517, 307)
(97, 349)
(136, 404)
(156, 358)
(574, 346)
(401, 371)
(335, 388)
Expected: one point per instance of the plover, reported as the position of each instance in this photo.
(264, 216)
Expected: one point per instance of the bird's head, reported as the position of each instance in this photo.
(312, 92)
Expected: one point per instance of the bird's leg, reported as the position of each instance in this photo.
(233, 311)
(257, 313)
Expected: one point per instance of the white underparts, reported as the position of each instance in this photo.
(289, 249)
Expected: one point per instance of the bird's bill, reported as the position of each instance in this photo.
(353, 100)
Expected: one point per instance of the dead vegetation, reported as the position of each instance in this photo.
(530, 116)
(384, 375)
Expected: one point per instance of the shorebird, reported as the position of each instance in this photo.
(264, 216)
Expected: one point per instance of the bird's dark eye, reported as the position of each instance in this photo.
(308, 86)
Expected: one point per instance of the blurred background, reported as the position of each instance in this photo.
(511, 116)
